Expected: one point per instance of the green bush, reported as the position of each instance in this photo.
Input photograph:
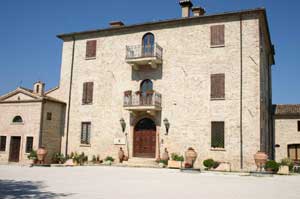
(209, 163)
(78, 158)
(32, 155)
(109, 158)
(271, 165)
(165, 162)
(58, 158)
(287, 162)
(177, 157)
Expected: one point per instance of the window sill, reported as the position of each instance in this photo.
(85, 145)
(17, 123)
(217, 46)
(217, 99)
(88, 104)
(90, 58)
(218, 149)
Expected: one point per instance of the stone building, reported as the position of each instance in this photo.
(201, 81)
(287, 132)
(29, 119)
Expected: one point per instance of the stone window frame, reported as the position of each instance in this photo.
(14, 122)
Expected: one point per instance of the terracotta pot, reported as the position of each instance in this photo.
(190, 156)
(41, 154)
(126, 158)
(121, 155)
(165, 155)
(260, 159)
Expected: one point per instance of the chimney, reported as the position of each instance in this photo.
(186, 6)
(115, 24)
(39, 88)
(198, 11)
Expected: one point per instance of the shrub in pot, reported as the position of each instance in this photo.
(287, 162)
(272, 166)
(109, 160)
(176, 161)
(210, 164)
(33, 156)
(58, 158)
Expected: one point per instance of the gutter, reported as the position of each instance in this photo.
(241, 94)
(70, 97)
(41, 124)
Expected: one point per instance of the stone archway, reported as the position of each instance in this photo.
(144, 139)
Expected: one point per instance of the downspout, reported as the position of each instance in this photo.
(41, 124)
(241, 92)
(70, 97)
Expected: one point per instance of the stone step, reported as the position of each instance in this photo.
(141, 162)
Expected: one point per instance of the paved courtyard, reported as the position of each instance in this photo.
(139, 183)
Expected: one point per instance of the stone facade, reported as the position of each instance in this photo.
(183, 80)
(32, 108)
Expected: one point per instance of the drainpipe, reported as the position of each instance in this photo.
(70, 97)
(41, 124)
(241, 93)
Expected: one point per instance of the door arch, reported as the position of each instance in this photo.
(144, 138)
(148, 44)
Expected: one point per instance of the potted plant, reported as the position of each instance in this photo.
(33, 157)
(41, 154)
(210, 164)
(58, 158)
(286, 165)
(176, 161)
(109, 160)
(190, 157)
(163, 163)
(272, 166)
(260, 159)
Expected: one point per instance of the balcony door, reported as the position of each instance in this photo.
(146, 92)
(148, 45)
(144, 143)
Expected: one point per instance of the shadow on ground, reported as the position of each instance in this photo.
(25, 189)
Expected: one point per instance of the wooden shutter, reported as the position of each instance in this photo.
(2, 143)
(85, 133)
(217, 86)
(87, 94)
(217, 134)
(217, 35)
(29, 144)
(91, 48)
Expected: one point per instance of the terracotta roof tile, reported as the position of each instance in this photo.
(286, 109)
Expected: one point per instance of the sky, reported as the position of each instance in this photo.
(30, 51)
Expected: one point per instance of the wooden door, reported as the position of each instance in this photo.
(14, 152)
(144, 143)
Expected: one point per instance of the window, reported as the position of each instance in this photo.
(148, 44)
(294, 152)
(217, 35)
(217, 134)
(146, 85)
(299, 126)
(18, 119)
(91, 48)
(2, 143)
(87, 96)
(29, 144)
(217, 83)
(49, 116)
(85, 132)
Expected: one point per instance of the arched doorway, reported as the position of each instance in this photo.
(144, 143)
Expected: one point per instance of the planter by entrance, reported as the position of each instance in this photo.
(41, 155)
(260, 159)
(172, 164)
(190, 157)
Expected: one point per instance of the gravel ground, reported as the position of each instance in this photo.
(139, 183)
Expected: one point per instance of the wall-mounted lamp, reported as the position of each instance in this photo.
(167, 125)
(123, 124)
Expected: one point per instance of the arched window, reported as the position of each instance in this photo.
(17, 119)
(146, 85)
(148, 44)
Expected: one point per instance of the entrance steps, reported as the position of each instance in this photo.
(140, 162)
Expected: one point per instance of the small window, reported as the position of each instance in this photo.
(91, 49)
(217, 83)
(87, 95)
(294, 152)
(298, 126)
(29, 144)
(18, 119)
(85, 132)
(217, 134)
(217, 35)
(2, 143)
(49, 116)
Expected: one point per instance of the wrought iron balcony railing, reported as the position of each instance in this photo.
(144, 51)
(142, 99)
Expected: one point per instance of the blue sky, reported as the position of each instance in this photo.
(30, 51)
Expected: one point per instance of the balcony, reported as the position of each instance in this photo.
(141, 55)
(138, 101)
